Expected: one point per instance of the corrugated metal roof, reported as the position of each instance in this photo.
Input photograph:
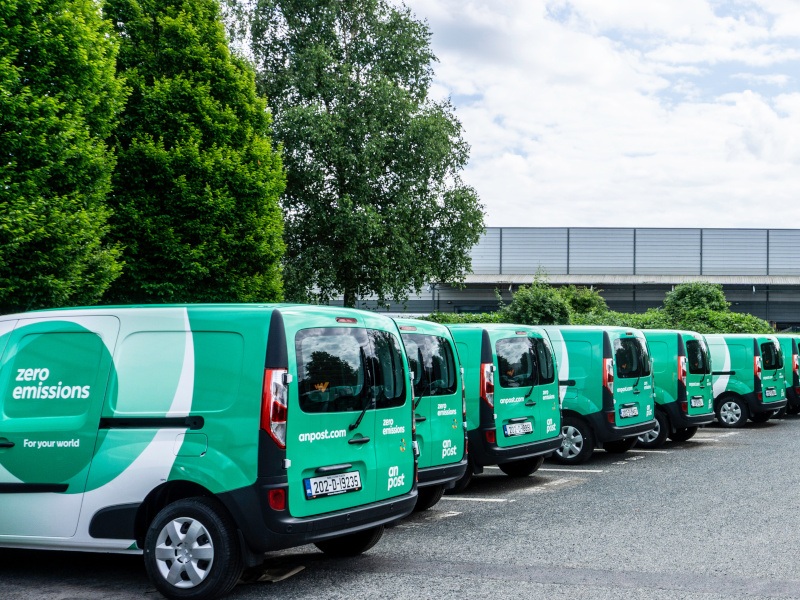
(635, 279)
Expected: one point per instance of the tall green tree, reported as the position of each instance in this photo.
(59, 98)
(197, 182)
(374, 203)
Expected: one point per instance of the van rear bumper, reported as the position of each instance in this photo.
(484, 453)
(265, 530)
(679, 419)
(757, 406)
(442, 475)
(606, 432)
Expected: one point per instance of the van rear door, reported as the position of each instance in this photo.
(697, 373)
(772, 377)
(53, 380)
(633, 385)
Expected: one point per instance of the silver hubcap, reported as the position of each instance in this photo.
(730, 413)
(652, 435)
(572, 444)
(184, 552)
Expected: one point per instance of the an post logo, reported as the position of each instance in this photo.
(448, 449)
(395, 478)
(551, 427)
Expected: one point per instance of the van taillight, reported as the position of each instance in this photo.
(757, 367)
(795, 363)
(491, 436)
(277, 499)
(274, 404)
(608, 374)
(487, 383)
(682, 369)
(463, 398)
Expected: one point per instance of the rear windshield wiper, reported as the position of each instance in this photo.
(367, 405)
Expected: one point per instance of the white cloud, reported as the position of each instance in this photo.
(611, 112)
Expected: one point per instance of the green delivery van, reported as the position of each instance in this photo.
(606, 389)
(791, 372)
(439, 408)
(748, 377)
(682, 380)
(513, 416)
(203, 436)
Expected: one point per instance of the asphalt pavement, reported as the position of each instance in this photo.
(711, 518)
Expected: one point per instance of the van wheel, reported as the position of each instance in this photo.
(522, 468)
(793, 409)
(191, 550)
(578, 443)
(682, 434)
(762, 417)
(620, 446)
(656, 437)
(352, 544)
(462, 483)
(732, 412)
(428, 497)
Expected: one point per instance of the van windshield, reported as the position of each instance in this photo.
(771, 355)
(631, 358)
(523, 362)
(697, 357)
(344, 369)
(431, 360)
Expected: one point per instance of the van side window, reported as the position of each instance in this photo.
(697, 357)
(430, 357)
(523, 362)
(771, 355)
(342, 369)
(631, 358)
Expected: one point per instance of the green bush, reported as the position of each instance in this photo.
(696, 295)
(537, 304)
(458, 318)
(583, 300)
(719, 321)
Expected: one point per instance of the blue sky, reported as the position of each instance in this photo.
(623, 112)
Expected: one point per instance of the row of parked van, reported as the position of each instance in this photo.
(203, 436)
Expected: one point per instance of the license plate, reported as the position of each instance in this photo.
(771, 392)
(698, 402)
(629, 411)
(513, 429)
(331, 485)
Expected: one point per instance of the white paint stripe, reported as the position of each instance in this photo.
(475, 499)
(574, 470)
(637, 451)
(182, 401)
(704, 440)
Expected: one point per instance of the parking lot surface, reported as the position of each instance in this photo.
(714, 517)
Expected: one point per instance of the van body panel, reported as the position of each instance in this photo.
(790, 370)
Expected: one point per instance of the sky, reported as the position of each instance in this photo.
(630, 113)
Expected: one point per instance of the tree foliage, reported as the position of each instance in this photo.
(59, 98)
(695, 295)
(583, 300)
(374, 203)
(196, 188)
(536, 304)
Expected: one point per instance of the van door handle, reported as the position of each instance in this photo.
(334, 468)
(361, 440)
(530, 403)
(637, 391)
(518, 420)
(6, 444)
(419, 418)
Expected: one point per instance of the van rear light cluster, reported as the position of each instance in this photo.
(487, 383)
(757, 367)
(274, 404)
(491, 436)
(608, 374)
(682, 369)
(796, 364)
(277, 499)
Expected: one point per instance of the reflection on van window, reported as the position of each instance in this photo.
(345, 369)
(523, 362)
(697, 357)
(771, 355)
(430, 358)
(631, 358)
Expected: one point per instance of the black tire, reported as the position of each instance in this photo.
(578, 444)
(352, 544)
(762, 417)
(522, 468)
(620, 446)
(462, 483)
(780, 414)
(731, 412)
(209, 550)
(658, 435)
(793, 409)
(428, 497)
(682, 434)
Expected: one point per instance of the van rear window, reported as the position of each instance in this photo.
(631, 358)
(343, 369)
(523, 362)
(430, 358)
(697, 357)
(771, 355)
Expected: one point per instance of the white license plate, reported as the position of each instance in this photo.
(771, 392)
(629, 411)
(331, 485)
(698, 402)
(513, 429)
